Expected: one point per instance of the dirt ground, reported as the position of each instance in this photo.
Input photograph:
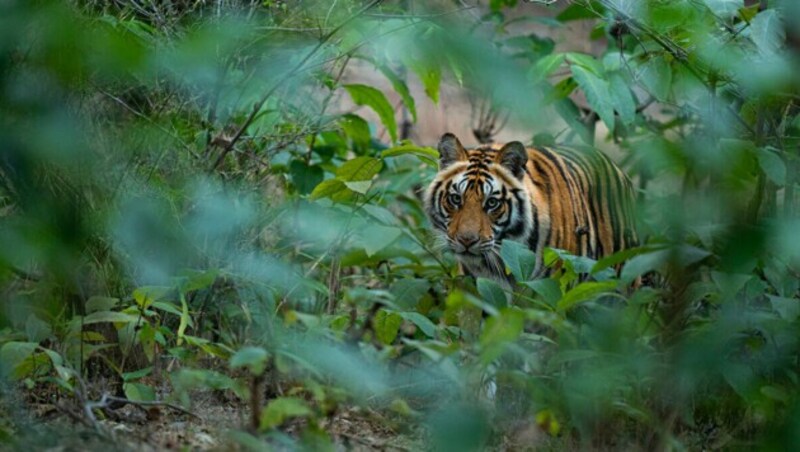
(215, 423)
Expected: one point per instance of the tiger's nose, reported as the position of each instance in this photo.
(468, 239)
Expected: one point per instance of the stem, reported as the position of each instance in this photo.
(334, 283)
(255, 401)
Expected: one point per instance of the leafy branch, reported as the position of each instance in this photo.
(228, 146)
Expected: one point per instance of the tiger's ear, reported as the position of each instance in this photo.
(513, 156)
(450, 150)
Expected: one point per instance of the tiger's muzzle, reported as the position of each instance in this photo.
(471, 243)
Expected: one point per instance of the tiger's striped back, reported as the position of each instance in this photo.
(575, 199)
(590, 201)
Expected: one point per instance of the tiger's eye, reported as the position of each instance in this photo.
(454, 198)
(491, 203)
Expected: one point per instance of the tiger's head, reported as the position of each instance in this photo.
(479, 197)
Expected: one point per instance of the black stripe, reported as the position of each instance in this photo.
(547, 188)
(478, 173)
(609, 199)
(575, 199)
(554, 160)
(592, 196)
(533, 238)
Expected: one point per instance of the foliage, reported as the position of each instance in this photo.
(186, 207)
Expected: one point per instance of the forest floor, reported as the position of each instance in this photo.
(214, 424)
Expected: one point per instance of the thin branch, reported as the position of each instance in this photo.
(293, 29)
(420, 16)
(106, 398)
(296, 69)
(325, 104)
(646, 104)
(678, 52)
(145, 117)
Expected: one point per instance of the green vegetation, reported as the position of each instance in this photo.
(197, 214)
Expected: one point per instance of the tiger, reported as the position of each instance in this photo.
(571, 198)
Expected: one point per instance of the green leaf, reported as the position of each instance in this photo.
(423, 323)
(504, 327)
(643, 263)
(519, 259)
(35, 365)
(683, 255)
(304, 176)
(214, 349)
(383, 215)
(562, 90)
(583, 292)
(185, 321)
(400, 88)
(65, 374)
(426, 154)
(146, 295)
(37, 329)
(109, 317)
(431, 77)
(724, 8)
(497, 5)
(376, 237)
(622, 98)
(94, 304)
(359, 186)
(374, 99)
(197, 280)
(135, 375)
(545, 66)
(254, 358)
(547, 288)
(656, 75)
(409, 291)
(767, 32)
(327, 188)
(578, 11)
(166, 307)
(55, 358)
(787, 308)
(597, 93)
(280, 410)
(567, 109)
(741, 378)
(457, 299)
(185, 379)
(139, 392)
(770, 161)
(498, 331)
(386, 325)
(746, 13)
(686, 255)
(587, 62)
(672, 15)
(621, 256)
(491, 292)
(776, 393)
(357, 129)
(13, 355)
(359, 168)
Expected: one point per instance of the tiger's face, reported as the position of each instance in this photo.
(479, 198)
